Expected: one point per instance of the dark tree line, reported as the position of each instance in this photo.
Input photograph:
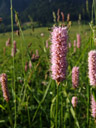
(41, 10)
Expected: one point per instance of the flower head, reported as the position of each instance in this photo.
(93, 107)
(14, 49)
(30, 64)
(75, 43)
(75, 76)
(74, 101)
(8, 42)
(78, 41)
(58, 53)
(3, 80)
(92, 67)
(26, 66)
(70, 44)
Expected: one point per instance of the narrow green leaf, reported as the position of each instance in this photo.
(45, 94)
(2, 107)
(2, 121)
(94, 93)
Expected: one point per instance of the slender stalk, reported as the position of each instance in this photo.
(88, 103)
(13, 62)
(28, 113)
(22, 54)
(92, 11)
(61, 110)
(10, 115)
(56, 122)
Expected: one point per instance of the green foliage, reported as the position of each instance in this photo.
(36, 94)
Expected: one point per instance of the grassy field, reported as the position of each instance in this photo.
(33, 93)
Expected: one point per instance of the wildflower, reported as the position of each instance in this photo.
(75, 76)
(33, 58)
(74, 101)
(37, 55)
(8, 42)
(58, 15)
(62, 14)
(14, 49)
(17, 32)
(93, 107)
(26, 66)
(78, 41)
(58, 53)
(68, 17)
(3, 80)
(69, 44)
(30, 64)
(92, 67)
(74, 43)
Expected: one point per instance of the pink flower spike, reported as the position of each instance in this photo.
(3, 81)
(26, 66)
(93, 107)
(75, 43)
(92, 67)
(74, 101)
(75, 77)
(58, 53)
(70, 44)
(78, 41)
(14, 49)
(30, 64)
(8, 42)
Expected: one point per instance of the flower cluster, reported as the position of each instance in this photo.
(93, 107)
(92, 67)
(58, 53)
(3, 80)
(75, 76)
(8, 42)
(78, 41)
(14, 49)
(74, 101)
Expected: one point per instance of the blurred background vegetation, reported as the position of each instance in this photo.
(40, 11)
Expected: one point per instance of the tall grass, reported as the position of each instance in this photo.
(13, 81)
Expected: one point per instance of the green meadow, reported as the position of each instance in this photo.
(33, 93)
